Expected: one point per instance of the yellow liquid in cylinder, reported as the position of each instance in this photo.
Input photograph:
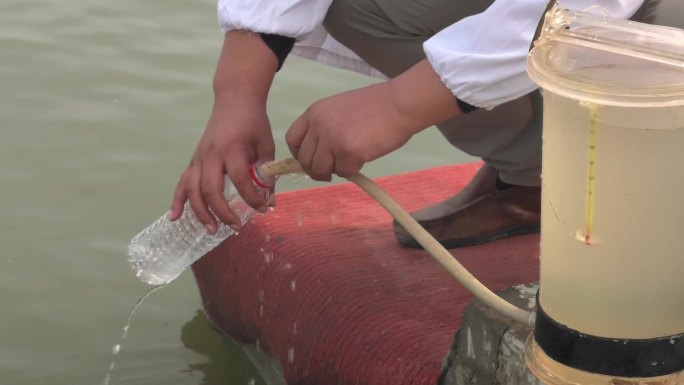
(612, 244)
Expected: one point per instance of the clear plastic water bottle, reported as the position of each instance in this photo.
(161, 252)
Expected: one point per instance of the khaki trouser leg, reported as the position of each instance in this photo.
(389, 34)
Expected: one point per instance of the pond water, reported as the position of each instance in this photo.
(101, 105)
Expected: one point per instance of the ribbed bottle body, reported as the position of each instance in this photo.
(162, 251)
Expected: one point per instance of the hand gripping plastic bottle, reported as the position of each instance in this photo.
(161, 252)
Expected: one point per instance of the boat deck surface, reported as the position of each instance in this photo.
(321, 284)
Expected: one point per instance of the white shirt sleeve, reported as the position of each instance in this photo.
(292, 18)
(482, 58)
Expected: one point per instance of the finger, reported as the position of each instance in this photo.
(307, 150)
(323, 163)
(238, 169)
(213, 190)
(347, 166)
(272, 197)
(199, 206)
(179, 197)
(266, 150)
(266, 153)
(295, 134)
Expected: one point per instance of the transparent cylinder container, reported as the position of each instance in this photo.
(162, 251)
(612, 259)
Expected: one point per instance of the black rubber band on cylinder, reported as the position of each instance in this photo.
(608, 356)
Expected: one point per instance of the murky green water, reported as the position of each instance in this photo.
(101, 104)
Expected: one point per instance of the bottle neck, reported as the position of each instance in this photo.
(258, 179)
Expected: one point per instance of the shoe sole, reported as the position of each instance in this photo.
(474, 241)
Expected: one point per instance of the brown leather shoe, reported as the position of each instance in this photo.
(479, 213)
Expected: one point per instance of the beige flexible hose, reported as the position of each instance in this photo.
(429, 243)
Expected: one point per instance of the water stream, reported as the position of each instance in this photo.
(124, 333)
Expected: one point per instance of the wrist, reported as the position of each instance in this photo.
(232, 101)
(240, 95)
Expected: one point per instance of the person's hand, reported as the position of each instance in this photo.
(237, 135)
(339, 134)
